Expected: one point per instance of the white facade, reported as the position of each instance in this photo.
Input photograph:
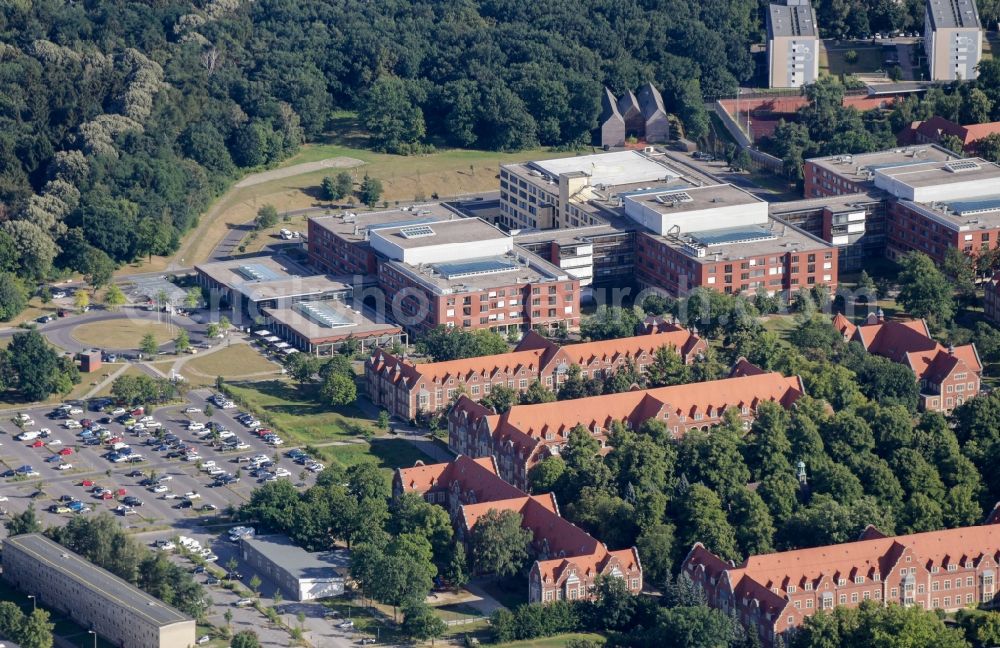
(951, 186)
(664, 219)
(447, 250)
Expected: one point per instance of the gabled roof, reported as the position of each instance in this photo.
(909, 342)
(628, 105)
(476, 476)
(429, 372)
(688, 399)
(562, 540)
(873, 554)
(609, 106)
(650, 101)
(632, 347)
(844, 326)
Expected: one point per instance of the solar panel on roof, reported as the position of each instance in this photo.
(417, 231)
(962, 165)
(458, 269)
(323, 314)
(969, 207)
(401, 223)
(257, 272)
(729, 236)
(675, 197)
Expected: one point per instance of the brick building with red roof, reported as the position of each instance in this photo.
(527, 434)
(775, 593)
(567, 558)
(406, 389)
(948, 376)
(935, 129)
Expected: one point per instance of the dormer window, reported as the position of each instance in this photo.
(877, 577)
(808, 586)
(935, 569)
(968, 564)
(952, 567)
(841, 582)
(858, 580)
(791, 589)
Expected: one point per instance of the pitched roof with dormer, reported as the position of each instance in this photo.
(562, 542)
(706, 398)
(909, 342)
(770, 575)
(478, 478)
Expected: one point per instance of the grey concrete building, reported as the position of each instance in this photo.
(628, 106)
(301, 575)
(655, 123)
(953, 39)
(93, 597)
(612, 124)
(792, 44)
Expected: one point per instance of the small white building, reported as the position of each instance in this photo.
(301, 575)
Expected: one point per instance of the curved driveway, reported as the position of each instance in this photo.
(60, 331)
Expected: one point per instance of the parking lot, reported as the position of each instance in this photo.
(45, 484)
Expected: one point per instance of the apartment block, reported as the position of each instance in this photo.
(991, 299)
(947, 376)
(526, 434)
(407, 390)
(792, 44)
(838, 175)
(953, 39)
(567, 559)
(93, 597)
(773, 594)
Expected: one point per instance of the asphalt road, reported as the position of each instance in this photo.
(60, 331)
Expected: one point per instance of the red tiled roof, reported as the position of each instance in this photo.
(687, 400)
(909, 342)
(476, 476)
(534, 353)
(874, 554)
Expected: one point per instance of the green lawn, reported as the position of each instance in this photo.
(388, 454)
(295, 412)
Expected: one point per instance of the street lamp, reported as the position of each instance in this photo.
(34, 603)
(95, 637)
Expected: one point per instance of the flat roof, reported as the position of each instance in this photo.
(525, 267)
(355, 226)
(297, 561)
(856, 166)
(961, 215)
(737, 243)
(950, 14)
(460, 230)
(619, 167)
(261, 278)
(321, 324)
(842, 202)
(668, 200)
(292, 287)
(786, 21)
(103, 583)
(936, 172)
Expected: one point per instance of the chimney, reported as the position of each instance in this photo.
(951, 349)
(880, 315)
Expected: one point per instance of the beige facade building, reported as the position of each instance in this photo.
(93, 597)
(953, 39)
(792, 44)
